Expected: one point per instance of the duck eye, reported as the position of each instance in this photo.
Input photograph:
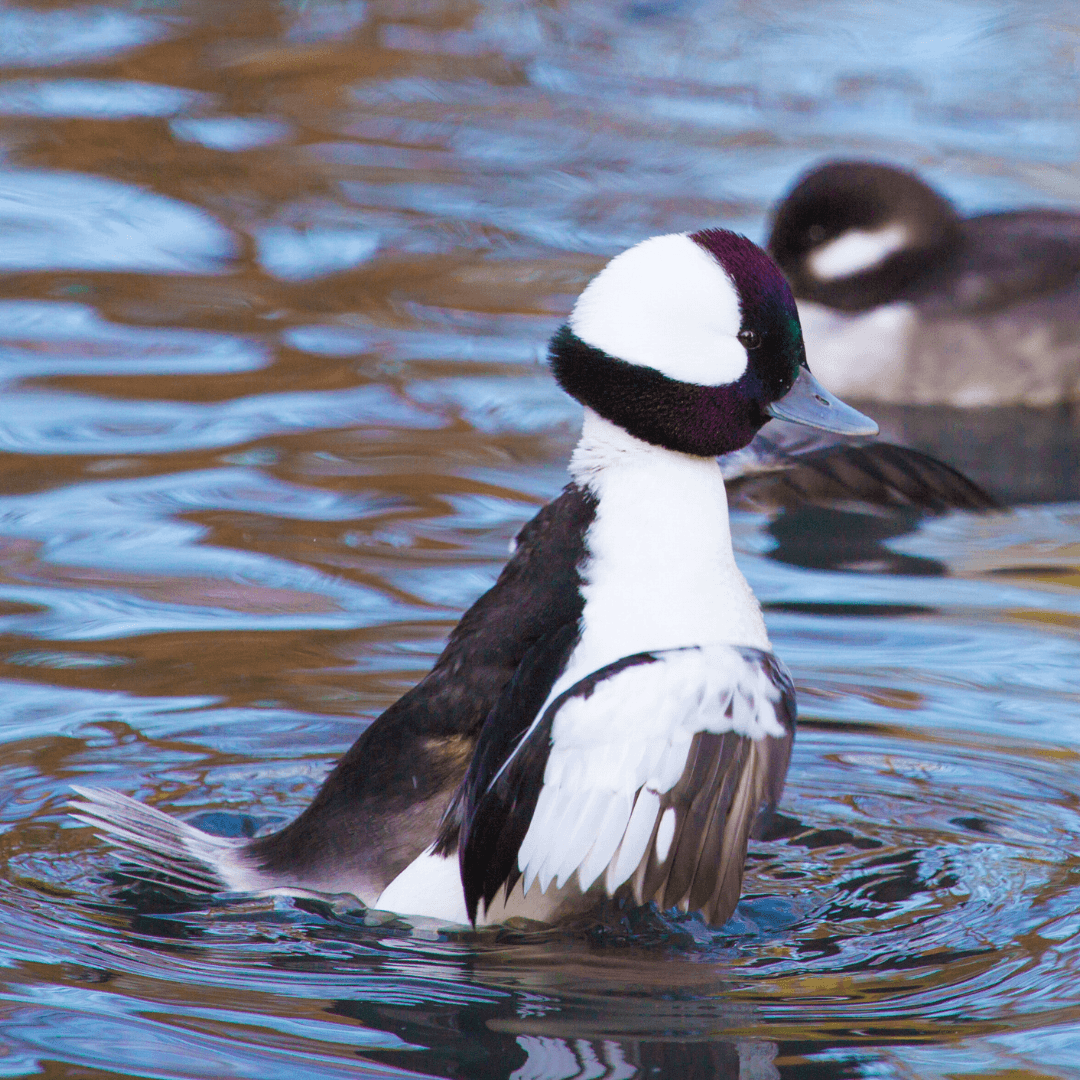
(750, 339)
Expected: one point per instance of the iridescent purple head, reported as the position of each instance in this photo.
(684, 341)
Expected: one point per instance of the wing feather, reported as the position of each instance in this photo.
(727, 871)
(701, 855)
(609, 835)
(582, 834)
(569, 811)
(547, 808)
(636, 839)
(694, 741)
(693, 800)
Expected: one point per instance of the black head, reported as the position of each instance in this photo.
(684, 341)
(854, 234)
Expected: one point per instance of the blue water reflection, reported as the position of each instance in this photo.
(296, 254)
(68, 423)
(231, 132)
(94, 98)
(40, 338)
(32, 37)
(70, 221)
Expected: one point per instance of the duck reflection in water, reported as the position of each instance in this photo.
(593, 1014)
(556, 1057)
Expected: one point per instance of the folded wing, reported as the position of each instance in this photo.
(788, 467)
(647, 775)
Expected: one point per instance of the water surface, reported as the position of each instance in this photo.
(275, 284)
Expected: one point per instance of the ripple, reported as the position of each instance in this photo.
(73, 221)
(114, 558)
(94, 98)
(68, 423)
(40, 338)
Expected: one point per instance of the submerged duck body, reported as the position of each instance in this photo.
(608, 720)
(903, 301)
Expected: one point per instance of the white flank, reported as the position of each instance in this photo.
(429, 886)
(857, 250)
(669, 305)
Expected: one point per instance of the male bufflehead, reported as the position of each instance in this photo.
(608, 719)
(904, 301)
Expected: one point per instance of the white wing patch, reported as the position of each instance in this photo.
(617, 750)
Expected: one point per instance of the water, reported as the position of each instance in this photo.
(277, 278)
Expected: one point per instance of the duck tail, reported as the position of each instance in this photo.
(191, 860)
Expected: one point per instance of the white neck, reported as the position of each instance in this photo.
(660, 571)
(604, 445)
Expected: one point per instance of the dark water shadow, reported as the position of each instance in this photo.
(821, 538)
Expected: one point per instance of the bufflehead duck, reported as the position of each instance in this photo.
(903, 301)
(608, 720)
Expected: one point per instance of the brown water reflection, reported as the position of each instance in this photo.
(274, 290)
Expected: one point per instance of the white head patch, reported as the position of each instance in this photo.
(857, 250)
(665, 304)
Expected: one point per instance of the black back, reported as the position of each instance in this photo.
(382, 804)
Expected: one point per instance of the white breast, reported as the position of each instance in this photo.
(865, 356)
(660, 571)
